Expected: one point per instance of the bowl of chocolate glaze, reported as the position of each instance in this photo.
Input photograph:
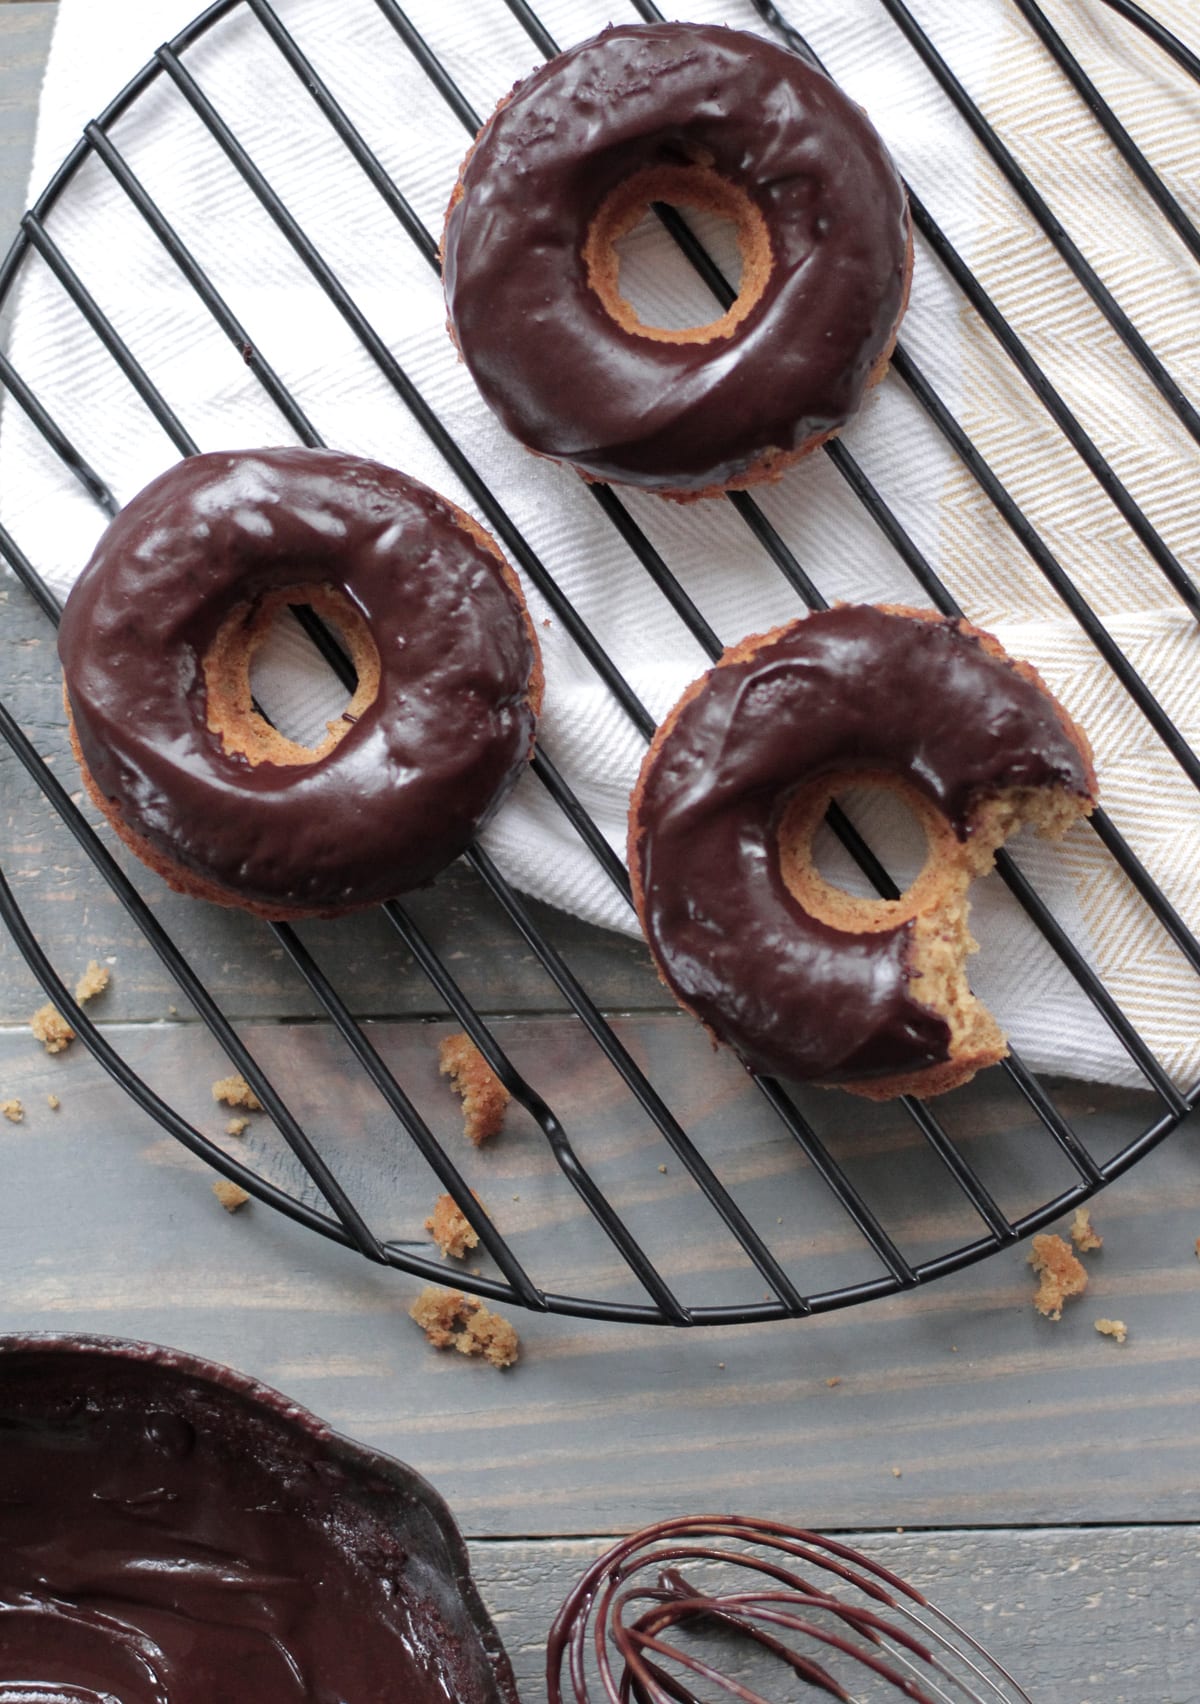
(172, 1532)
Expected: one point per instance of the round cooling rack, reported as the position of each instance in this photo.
(769, 1202)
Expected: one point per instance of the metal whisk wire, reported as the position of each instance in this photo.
(842, 1624)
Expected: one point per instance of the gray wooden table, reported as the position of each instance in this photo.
(1039, 1479)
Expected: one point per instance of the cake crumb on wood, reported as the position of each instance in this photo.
(1083, 1233)
(1113, 1328)
(236, 1091)
(94, 981)
(230, 1195)
(53, 1102)
(483, 1095)
(51, 1028)
(1060, 1272)
(48, 1024)
(448, 1226)
(451, 1320)
(237, 1127)
(12, 1110)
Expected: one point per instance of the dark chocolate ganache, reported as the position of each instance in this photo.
(854, 688)
(420, 771)
(561, 373)
(168, 1542)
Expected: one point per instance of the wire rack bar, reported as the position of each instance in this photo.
(1116, 132)
(447, 1173)
(1050, 398)
(266, 375)
(635, 1079)
(45, 245)
(56, 437)
(560, 1146)
(1158, 33)
(96, 1042)
(345, 1225)
(1104, 299)
(348, 1215)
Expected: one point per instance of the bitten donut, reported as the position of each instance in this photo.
(156, 644)
(703, 117)
(801, 978)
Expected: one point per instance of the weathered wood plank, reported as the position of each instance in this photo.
(25, 29)
(992, 1414)
(1104, 1616)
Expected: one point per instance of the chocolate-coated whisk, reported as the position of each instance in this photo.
(841, 1624)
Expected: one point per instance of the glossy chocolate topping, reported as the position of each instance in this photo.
(850, 689)
(414, 779)
(166, 1541)
(695, 1607)
(560, 372)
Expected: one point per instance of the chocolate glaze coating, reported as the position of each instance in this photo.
(171, 1533)
(854, 688)
(570, 382)
(411, 783)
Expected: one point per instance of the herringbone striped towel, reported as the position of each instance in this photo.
(984, 561)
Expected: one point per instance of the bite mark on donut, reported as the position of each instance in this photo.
(936, 903)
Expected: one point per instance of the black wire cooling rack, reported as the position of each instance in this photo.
(338, 1218)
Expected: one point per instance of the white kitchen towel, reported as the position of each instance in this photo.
(419, 140)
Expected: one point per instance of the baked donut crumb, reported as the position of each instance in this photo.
(236, 1091)
(1083, 1233)
(1113, 1328)
(451, 1320)
(483, 1095)
(449, 1228)
(94, 980)
(51, 1028)
(230, 1195)
(237, 1127)
(13, 1111)
(53, 1102)
(48, 1024)
(1060, 1272)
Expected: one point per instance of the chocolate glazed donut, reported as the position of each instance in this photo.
(800, 978)
(156, 643)
(697, 115)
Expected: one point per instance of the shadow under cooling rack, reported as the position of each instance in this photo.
(831, 1139)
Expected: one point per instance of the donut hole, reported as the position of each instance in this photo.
(910, 838)
(236, 679)
(636, 269)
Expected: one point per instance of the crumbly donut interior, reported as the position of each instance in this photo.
(230, 711)
(937, 900)
(698, 186)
